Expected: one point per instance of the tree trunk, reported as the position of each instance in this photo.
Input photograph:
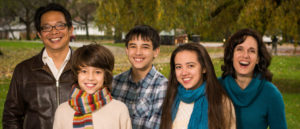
(87, 29)
(27, 24)
(118, 36)
(28, 30)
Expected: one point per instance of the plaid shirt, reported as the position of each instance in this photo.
(144, 99)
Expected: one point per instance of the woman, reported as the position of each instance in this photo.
(195, 99)
(91, 104)
(247, 80)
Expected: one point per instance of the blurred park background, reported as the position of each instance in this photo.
(200, 20)
(210, 22)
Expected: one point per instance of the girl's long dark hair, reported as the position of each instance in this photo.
(214, 91)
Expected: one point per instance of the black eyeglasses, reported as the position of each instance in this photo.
(48, 28)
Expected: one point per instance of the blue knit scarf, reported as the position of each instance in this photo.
(243, 97)
(199, 117)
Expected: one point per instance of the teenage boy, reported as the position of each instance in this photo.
(41, 83)
(142, 88)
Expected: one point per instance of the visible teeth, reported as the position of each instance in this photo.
(56, 39)
(138, 59)
(244, 62)
(186, 79)
(89, 84)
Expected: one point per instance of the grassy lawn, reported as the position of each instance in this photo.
(286, 70)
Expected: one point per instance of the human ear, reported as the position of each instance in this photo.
(156, 52)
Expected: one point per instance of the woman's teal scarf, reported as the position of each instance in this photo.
(199, 117)
(243, 97)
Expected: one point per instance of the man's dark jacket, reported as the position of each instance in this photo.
(33, 95)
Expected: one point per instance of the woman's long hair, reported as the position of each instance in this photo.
(264, 56)
(214, 91)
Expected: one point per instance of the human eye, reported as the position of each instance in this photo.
(252, 51)
(191, 66)
(46, 28)
(98, 72)
(146, 46)
(83, 71)
(177, 67)
(132, 46)
(60, 26)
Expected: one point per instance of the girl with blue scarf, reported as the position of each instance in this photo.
(247, 80)
(195, 99)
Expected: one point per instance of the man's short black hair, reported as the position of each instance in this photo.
(146, 32)
(51, 7)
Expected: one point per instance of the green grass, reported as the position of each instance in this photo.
(286, 73)
(292, 106)
(20, 45)
(3, 93)
(286, 70)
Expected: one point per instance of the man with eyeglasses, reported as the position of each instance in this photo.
(41, 83)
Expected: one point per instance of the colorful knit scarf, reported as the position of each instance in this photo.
(84, 104)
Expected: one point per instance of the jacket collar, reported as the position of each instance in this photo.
(38, 64)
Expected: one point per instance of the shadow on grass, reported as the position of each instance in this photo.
(287, 85)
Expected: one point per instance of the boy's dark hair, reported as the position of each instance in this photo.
(51, 7)
(146, 32)
(96, 56)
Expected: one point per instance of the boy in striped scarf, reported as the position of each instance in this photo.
(91, 105)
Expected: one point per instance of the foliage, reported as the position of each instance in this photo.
(287, 19)
(83, 12)
(125, 14)
(211, 19)
(23, 11)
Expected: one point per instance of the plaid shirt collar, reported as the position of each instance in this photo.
(145, 81)
(143, 98)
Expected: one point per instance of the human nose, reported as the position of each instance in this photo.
(245, 54)
(184, 71)
(53, 30)
(138, 51)
(90, 76)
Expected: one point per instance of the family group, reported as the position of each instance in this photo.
(64, 89)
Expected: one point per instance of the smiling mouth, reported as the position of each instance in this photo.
(186, 80)
(90, 85)
(55, 39)
(138, 59)
(244, 63)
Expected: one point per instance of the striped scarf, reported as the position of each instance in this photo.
(84, 104)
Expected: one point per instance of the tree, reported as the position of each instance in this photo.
(258, 14)
(287, 20)
(6, 18)
(222, 20)
(83, 12)
(122, 15)
(24, 10)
